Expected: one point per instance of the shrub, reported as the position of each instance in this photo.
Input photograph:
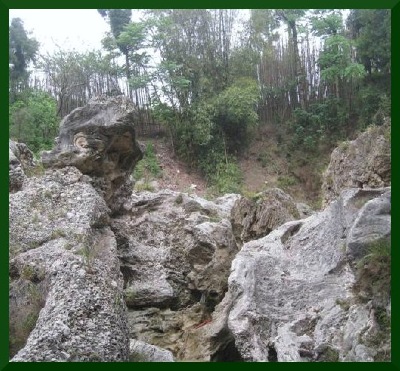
(34, 121)
(285, 181)
(373, 273)
(148, 167)
(221, 170)
(227, 178)
(22, 318)
(321, 121)
(236, 113)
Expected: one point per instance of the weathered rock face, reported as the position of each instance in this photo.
(291, 294)
(143, 352)
(83, 249)
(372, 223)
(20, 159)
(99, 140)
(255, 218)
(65, 272)
(362, 163)
(176, 252)
(66, 287)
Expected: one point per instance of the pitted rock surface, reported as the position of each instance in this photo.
(176, 251)
(99, 140)
(64, 265)
(362, 163)
(291, 295)
(20, 159)
(98, 274)
(255, 218)
(143, 352)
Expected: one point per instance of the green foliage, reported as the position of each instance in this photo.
(207, 133)
(384, 321)
(57, 233)
(143, 186)
(148, 167)
(243, 63)
(345, 304)
(371, 28)
(22, 51)
(36, 171)
(326, 22)
(119, 19)
(164, 114)
(335, 60)
(147, 170)
(23, 318)
(32, 273)
(222, 173)
(227, 178)
(285, 181)
(89, 253)
(179, 199)
(380, 339)
(34, 121)
(329, 354)
(221, 124)
(236, 112)
(374, 105)
(373, 275)
(322, 121)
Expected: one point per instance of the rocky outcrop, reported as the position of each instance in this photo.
(292, 295)
(143, 352)
(66, 286)
(372, 223)
(362, 163)
(20, 160)
(255, 218)
(98, 274)
(175, 252)
(65, 281)
(99, 140)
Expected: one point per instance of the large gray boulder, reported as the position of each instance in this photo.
(20, 160)
(143, 352)
(373, 223)
(65, 280)
(362, 163)
(176, 252)
(256, 217)
(66, 286)
(99, 140)
(292, 295)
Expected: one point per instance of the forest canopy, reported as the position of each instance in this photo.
(212, 77)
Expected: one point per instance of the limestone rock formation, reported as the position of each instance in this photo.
(175, 252)
(64, 272)
(362, 163)
(143, 352)
(20, 160)
(100, 274)
(293, 296)
(66, 286)
(255, 218)
(99, 140)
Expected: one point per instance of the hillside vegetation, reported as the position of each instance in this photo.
(247, 99)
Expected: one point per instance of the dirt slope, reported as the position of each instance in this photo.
(267, 163)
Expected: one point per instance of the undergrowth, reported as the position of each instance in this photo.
(373, 273)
